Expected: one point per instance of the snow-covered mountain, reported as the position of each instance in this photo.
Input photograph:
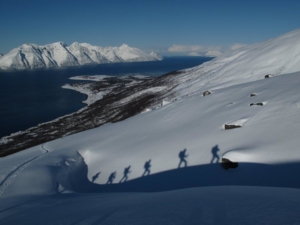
(59, 54)
(141, 154)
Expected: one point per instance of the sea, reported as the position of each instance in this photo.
(30, 97)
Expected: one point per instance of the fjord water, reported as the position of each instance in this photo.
(30, 97)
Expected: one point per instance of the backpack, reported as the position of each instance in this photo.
(181, 154)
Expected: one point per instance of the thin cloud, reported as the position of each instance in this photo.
(236, 46)
(213, 53)
(185, 48)
(196, 50)
(194, 54)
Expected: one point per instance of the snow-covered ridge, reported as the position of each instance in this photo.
(280, 55)
(59, 54)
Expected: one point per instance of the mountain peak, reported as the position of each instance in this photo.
(59, 54)
(124, 46)
(59, 43)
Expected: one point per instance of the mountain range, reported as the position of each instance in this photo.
(59, 54)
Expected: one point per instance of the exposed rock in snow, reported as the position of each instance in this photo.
(259, 104)
(205, 93)
(59, 54)
(269, 76)
(235, 124)
(231, 126)
(1, 55)
(227, 164)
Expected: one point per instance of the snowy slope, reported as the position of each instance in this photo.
(277, 56)
(196, 124)
(266, 146)
(59, 54)
(134, 54)
(87, 54)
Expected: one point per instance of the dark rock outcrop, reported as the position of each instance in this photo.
(205, 93)
(259, 104)
(269, 76)
(229, 126)
(252, 95)
(227, 164)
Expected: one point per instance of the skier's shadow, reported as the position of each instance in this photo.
(95, 177)
(215, 156)
(74, 177)
(111, 177)
(125, 176)
(182, 156)
(147, 168)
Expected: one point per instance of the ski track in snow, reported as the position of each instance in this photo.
(9, 179)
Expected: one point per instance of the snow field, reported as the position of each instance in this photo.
(194, 123)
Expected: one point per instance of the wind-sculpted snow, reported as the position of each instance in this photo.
(58, 54)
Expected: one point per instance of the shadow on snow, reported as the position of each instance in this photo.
(74, 177)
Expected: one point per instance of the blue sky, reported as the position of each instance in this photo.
(165, 26)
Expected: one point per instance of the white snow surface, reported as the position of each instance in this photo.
(263, 189)
(59, 54)
(277, 56)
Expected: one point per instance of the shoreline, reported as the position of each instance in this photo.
(83, 88)
(104, 105)
(92, 94)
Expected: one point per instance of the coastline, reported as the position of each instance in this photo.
(95, 94)
(104, 105)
